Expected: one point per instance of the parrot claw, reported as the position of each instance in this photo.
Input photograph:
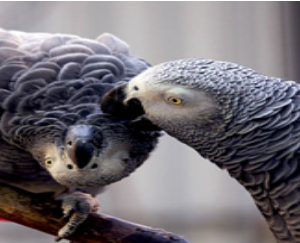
(58, 238)
(76, 206)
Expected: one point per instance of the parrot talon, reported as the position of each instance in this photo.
(58, 238)
(76, 205)
(67, 213)
(64, 217)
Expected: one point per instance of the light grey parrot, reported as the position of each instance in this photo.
(244, 122)
(54, 138)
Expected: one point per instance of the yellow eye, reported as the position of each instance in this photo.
(49, 162)
(174, 100)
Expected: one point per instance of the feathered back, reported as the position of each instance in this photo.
(60, 77)
(49, 82)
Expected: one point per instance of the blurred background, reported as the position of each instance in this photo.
(176, 189)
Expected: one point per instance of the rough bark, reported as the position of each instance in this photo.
(34, 211)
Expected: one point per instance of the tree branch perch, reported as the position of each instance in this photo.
(34, 211)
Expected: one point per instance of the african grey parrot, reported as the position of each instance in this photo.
(54, 138)
(244, 122)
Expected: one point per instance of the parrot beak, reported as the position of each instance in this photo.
(79, 145)
(81, 153)
(128, 111)
(114, 104)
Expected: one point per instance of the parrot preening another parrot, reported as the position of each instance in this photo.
(54, 137)
(243, 121)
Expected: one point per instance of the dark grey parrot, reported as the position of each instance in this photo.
(244, 122)
(54, 137)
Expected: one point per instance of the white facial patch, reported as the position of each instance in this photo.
(111, 165)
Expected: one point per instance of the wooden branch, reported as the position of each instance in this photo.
(36, 212)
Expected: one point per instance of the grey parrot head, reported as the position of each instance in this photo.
(175, 96)
(93, 156)
(189, 98)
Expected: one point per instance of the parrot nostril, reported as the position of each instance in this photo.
(94, 166)
(70, 167)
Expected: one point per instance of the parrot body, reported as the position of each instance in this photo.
(54, 138)
(244, 122)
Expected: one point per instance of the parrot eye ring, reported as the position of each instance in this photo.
(175, 100)
(49, 162)
(135, 87)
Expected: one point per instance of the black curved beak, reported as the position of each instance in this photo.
(80, 146)
(132, 112)
(113, 103)
(81, 153)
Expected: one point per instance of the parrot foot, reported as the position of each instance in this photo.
(76, 206)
